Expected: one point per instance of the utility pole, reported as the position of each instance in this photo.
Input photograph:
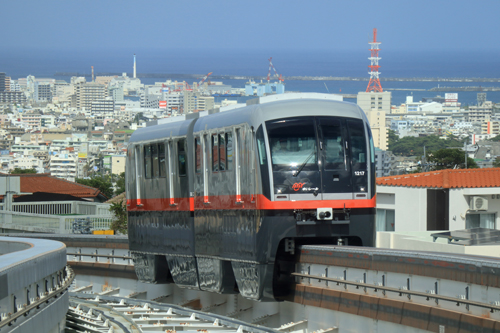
(465, 149)
(424, 162)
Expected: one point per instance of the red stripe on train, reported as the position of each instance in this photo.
(230, 202)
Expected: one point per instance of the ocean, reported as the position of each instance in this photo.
(342, 63)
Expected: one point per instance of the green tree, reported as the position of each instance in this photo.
(119, 223)
(411, 146)
(104, 184)
(120, 183)
(392, 139)
(19, 171)
(496, 163)
(449, 158)
(495, 138)
(138, 117)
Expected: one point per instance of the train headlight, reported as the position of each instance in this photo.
(324, 213)
(280, 189)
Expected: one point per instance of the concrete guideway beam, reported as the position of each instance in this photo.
(395, 288)
(34, 281)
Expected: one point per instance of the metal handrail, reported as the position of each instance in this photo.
(400, 291)
(92, 255)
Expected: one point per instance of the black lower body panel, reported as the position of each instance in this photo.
(228, 250)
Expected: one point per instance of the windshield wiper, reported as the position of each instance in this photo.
(304, 163)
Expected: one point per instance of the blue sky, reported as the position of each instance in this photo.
(241, 25)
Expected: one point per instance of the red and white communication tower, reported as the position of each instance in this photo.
(374, 84)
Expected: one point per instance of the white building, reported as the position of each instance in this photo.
(27, 162)
(376, 105)
(174, 100)
(439, 200)
(64, 166)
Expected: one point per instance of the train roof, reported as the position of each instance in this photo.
(254, 113)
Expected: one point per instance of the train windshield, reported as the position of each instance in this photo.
(293, 144)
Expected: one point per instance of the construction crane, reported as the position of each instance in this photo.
(280, 78)
(182, 86)
(204, 78)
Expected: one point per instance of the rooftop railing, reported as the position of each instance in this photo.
(54, 217)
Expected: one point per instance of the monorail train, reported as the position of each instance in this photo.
(218, 202)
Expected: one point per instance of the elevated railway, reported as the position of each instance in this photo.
(337, 288)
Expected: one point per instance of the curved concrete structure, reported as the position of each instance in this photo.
(33, 285)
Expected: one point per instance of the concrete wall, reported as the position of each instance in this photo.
(409, 204)
(422, 241)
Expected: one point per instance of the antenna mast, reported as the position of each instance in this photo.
(374, 84)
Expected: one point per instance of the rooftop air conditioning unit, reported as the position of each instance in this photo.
(478, 203)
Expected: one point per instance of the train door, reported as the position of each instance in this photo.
(237, 164)
(359, 158)
(335, 158)
(177, 166)
(182, 168)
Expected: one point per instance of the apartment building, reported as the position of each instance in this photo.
(490, 127)
(150, 98)
(25, 162)
(385, 162)
(376, 105)
(17, 97)
(174, 101)
(480, 113)
(195, 102)
(86, 93)
(64, 166)
(32, 120)
(103, 106)
(2, 82)
(42, 92)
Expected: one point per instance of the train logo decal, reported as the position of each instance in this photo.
(297, 186)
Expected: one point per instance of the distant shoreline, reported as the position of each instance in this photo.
(296, 78)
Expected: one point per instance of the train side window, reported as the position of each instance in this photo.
(264, 168)
(261, 146)
(197, 149)
(215, 153)
(147, 161)
(222, 152)
(162, 161)
(229, 151)
(154, 161)
(182, 158)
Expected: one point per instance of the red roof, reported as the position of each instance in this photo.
(457, 178)
(42, 182)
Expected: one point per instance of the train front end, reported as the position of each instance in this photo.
(316, 164)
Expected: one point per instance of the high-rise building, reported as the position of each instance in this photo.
(2, 82)
(42, 92)
(376, 105)
(480, 113)
(86, 93)
(7, 83)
